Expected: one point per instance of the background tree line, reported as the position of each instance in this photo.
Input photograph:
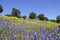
(17, 13)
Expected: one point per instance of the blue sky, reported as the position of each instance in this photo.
(51, 8)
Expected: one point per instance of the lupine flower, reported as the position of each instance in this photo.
(0, 38)
(12, 37)
(19, 30)
(59, 29)
(27, 36)
(42, 37)
(35, 36)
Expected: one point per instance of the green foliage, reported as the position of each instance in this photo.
(58, 19)
(8, 15)
(1, 8)
(46, 19)
(52, 20)
(41, 16)
(24, 17)
(32, 15)
(15, 12)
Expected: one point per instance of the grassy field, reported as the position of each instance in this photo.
(12, 24)
(29, 23)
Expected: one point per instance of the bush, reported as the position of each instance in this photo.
(8, 15)
(24, 17)
(52, 20)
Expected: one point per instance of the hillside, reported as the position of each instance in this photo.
(28, 23)
(13, 28)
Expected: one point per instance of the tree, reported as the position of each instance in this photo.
(32, 15)
(41, 17)
(24, 17)
(46, 19)
(15, 12)
(1, 8)
(58, 19)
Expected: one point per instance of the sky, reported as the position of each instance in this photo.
(50, 8)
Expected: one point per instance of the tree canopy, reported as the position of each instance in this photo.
(15, 12)
(41, 16)
(1, 8)
(32, 15)
(58, 18)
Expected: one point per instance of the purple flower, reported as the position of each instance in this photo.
(44, 31)
(19, 30)
(47, 34)
(42, 37)
(35, 36)
(27, 36)
(0, 38)
(12, 37)
(58, 29)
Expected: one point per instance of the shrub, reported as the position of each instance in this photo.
(52, 20)
(8, 15)
(24, 17)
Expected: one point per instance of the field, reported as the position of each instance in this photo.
(13, 28)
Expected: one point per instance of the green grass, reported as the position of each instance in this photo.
(29, 23)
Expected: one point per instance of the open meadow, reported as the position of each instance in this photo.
(13, 28)
(29, 19)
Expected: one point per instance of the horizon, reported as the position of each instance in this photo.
(50, 8)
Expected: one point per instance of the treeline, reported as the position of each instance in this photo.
(17, 13)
